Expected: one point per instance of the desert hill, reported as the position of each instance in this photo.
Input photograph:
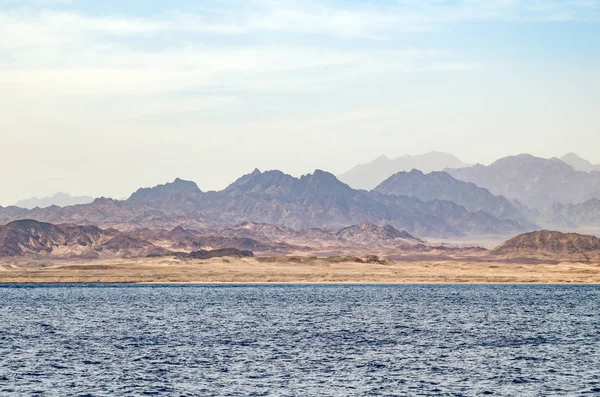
(29, 237)
(368, 234)
(11, 213)
(33, 238)
(552, 244)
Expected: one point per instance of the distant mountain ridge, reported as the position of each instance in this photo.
(536, 182)
(166, 190)
(59, 199)
(579, 163)
(317, 200)
(511, 195)
(571, 215)
(442, 186)
(321, 200)
(368, 176)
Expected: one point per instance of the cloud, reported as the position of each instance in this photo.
(226, 52)
(329, 18)
(58, 53)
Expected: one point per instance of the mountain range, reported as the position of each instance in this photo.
(512, 195)
(442, 186)
(367, 176)
(572, 215)
(38, 240)
(34, 239)
(317, 200)
(321, 200)
(535, 182)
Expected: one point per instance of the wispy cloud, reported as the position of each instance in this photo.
(60, 48)
(334, 18)
(73, 53)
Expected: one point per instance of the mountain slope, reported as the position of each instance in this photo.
(10, 213)
(579, 163)
(367, 176)
(536, 182)
(571, 215)
(442, 186)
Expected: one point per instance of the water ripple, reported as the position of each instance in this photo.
(299, 340)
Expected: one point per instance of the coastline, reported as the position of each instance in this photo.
(317, 271)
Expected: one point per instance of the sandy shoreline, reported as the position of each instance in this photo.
(253, 270)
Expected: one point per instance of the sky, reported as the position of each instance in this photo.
(102, 97)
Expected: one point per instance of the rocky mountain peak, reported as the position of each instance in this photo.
(166, 190)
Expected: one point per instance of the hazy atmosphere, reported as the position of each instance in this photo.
(300, 197)
(100, 98)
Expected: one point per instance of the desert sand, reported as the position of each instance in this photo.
(242, 270)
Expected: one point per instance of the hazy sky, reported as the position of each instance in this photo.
(102, 97)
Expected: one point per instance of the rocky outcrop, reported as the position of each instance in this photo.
(369, 235)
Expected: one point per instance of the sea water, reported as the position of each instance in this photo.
(299, 340)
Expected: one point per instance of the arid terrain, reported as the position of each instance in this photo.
(273, 227)
(32, 251)
(295, 269)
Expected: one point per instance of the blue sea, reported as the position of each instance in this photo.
(299, 340)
